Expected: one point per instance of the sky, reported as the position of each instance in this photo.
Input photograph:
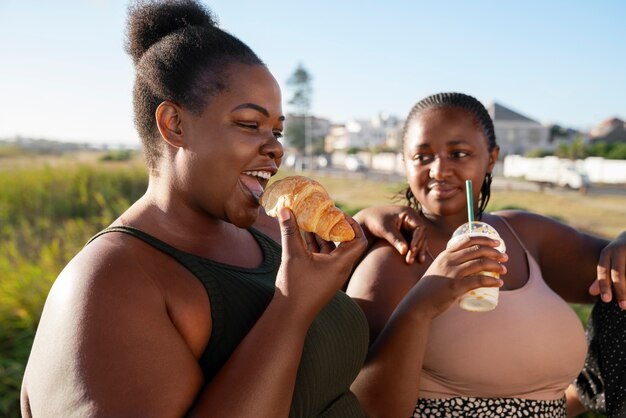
(64, 74)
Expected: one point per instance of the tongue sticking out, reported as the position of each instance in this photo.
(252, 184)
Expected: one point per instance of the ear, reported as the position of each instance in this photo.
(493, 157)
(169, 122)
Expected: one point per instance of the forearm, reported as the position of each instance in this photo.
(259, 377)
(388, 385)
(572, 402)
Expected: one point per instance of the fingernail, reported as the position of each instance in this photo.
(500, 282)
(283, 214)
(606, 297)
(622, 304)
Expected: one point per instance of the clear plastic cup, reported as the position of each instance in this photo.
(484, 298)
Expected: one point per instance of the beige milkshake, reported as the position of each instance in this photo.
(484, 298)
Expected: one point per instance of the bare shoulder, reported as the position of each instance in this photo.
(379, 283)
(106, 344)
(382, 267)
(521, 218)
(566, 256)
(544, 230)
(533, 229)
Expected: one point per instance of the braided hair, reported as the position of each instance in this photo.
(481, 116)
(179, 55)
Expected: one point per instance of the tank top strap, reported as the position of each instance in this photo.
(179, 255)
(190, 261)
(508, 225)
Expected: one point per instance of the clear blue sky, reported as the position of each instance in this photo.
(64, 74)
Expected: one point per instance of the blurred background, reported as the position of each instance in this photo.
(550, 73)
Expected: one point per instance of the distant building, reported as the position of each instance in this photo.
(610, 130)
(318, 127)
(516, 133)
(382, 131)
(561, 135)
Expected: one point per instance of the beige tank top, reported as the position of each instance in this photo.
(531, 346)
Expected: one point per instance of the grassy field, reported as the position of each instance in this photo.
(603, 215)
(50, 206)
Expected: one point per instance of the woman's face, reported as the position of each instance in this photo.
(232, 146)
(444, 147)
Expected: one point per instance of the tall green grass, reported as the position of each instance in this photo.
(46, 215)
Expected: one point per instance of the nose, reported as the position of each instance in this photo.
(438, 169)
(273, 148)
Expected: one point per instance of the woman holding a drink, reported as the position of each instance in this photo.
(519, 358)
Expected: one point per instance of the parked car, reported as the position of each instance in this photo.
(354, 163)
(561, 176)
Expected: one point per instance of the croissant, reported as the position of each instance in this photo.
(312, 206)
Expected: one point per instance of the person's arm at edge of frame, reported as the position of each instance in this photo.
(572, 402)
(577, 265)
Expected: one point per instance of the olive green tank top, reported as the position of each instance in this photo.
(335, 345)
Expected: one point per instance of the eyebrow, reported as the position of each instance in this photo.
(449, 143)
(256, 107)
(457, 142)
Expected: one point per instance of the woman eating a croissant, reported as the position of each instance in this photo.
(194, 302)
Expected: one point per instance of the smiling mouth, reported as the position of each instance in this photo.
(255, 182)
(442, 189)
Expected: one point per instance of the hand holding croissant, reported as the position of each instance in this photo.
(311, 205)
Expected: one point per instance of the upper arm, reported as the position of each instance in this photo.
(568, 258)
(379, 283)
(106, 346)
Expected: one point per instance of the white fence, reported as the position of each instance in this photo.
(563, 171)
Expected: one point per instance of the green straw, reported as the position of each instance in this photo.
(470, 203)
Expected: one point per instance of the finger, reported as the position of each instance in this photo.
(482, 265)
(409, 258)
(417, 250)
(324, 246)
(311, 242)
(396, 239)
(466, 241)
(618, 278)
(357, 245)
(291, 239)
(392, 233)
(359, 235)
(477, 251)
(619, 286)
(469, 283)
(603, 277)
(410, 221)
(418, 237)
(594, 289)
(422, 247)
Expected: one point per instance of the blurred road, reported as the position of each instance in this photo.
(499, 182)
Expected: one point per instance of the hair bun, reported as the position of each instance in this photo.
(151, 21)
